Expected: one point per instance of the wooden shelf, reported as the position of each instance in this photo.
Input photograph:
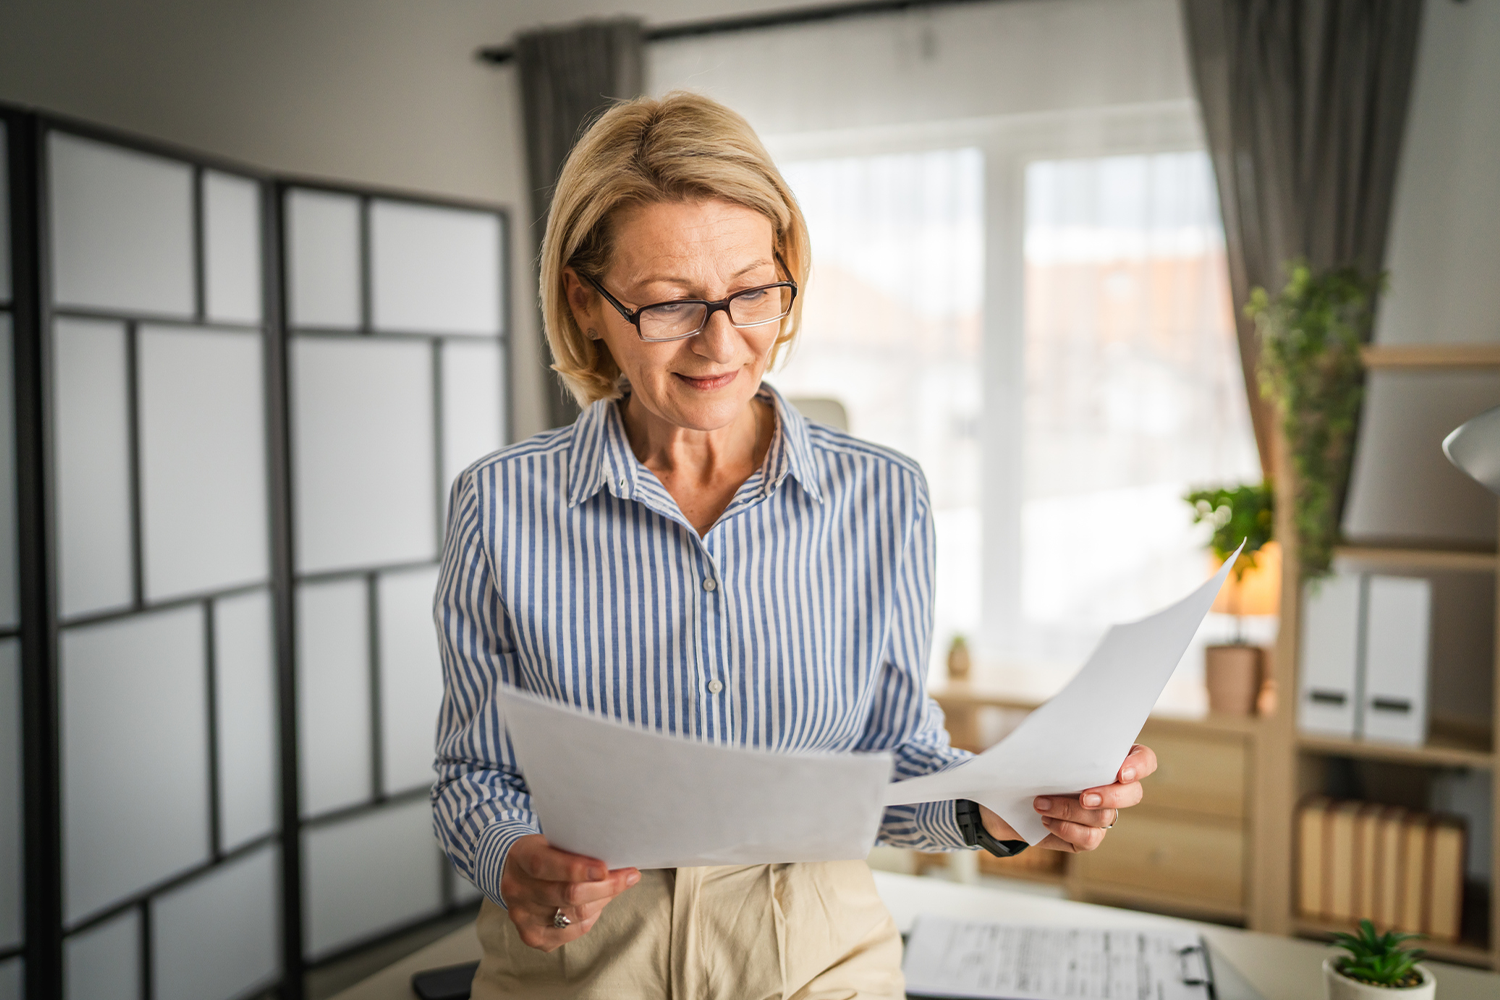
(1472, 560)
(1462, 952)
(1430, 357)
(1441, 750)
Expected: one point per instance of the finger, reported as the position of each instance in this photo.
(567, 894)
(1139, 762)
(1112, 796)
(1083, 838)
(551, 865)
(1067, 807)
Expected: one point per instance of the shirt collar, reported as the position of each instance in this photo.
(601, 458)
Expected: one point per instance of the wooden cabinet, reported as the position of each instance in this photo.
(1186, 848)
(1187, 862)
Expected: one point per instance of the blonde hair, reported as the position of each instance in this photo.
(681, 147)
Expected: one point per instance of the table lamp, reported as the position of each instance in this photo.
(1234, 672)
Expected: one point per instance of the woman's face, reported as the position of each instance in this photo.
(706, 249)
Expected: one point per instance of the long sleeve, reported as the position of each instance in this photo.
(903, 719)
(481, 805)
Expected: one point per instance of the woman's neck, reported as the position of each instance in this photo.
(702, 470)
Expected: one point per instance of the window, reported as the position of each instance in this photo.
(1129, 388)
(1133, 391)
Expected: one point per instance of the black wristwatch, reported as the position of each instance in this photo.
(975, 835)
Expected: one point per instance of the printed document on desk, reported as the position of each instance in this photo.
(1078, 739)
(636, 798)
(978, 960)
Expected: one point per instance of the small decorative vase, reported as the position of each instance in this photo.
(1341, 987)
(1232, 674)
(959, 661)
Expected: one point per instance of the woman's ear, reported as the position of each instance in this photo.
(583, 302)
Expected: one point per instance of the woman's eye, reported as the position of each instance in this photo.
(753, 296)
(670, 309)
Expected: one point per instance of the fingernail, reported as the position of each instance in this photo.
(1128, 774)
(1093, 801)
(632, 878)
(1043, 804)
(597, 874)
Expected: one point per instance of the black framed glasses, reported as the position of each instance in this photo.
(684, 318)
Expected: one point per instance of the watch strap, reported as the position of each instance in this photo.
(971, 825)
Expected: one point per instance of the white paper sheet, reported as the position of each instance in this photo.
(631, 797)
(989, 961)
(1079, 738)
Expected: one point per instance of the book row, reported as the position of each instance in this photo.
(1400, 869)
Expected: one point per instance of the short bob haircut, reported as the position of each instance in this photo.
(681, 147)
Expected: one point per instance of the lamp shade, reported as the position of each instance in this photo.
(1475, 448)
(1259, 591)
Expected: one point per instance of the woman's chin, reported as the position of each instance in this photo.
(700, 411)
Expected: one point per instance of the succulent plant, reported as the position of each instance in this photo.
(1379, 958)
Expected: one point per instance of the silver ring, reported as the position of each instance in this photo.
(1110, 827)
(560, 919)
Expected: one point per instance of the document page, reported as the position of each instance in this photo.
(1078, 739)
(633, 797)
(986, 961)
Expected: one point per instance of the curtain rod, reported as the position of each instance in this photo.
(499, 54)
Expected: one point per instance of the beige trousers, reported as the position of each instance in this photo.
(812, 931)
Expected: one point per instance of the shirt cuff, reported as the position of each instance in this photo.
(939, 821)
(490, 854)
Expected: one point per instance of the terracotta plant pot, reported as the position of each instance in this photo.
(1341, 987)
(1233, 677)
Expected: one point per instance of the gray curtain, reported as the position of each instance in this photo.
(1304, 104)
(568, 77)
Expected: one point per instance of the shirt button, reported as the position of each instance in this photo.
(622, 484)
(709, 585)
(715, 686)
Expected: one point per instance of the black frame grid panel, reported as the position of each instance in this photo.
(143, 902)
(40, 951)
(362, 327)
(46, 630)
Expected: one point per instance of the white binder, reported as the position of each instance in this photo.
(1398, 631)
(1327, 695)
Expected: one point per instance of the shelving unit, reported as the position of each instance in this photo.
(1288, 760)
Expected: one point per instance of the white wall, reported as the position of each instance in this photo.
(1444, 250)
(1444, 263)
(980, 61)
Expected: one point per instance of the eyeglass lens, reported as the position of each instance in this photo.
(752, 307)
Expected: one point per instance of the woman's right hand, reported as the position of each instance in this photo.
(538, 880)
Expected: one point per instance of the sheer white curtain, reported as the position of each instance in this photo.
(892, 328)
(1132, 389)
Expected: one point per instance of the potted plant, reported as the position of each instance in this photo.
(1234, 672)
(1310, 366)
(1377, 966)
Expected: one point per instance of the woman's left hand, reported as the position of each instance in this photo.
(1078, 821)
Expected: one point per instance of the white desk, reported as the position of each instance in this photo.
(1259, 965)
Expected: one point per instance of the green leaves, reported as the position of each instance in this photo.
(1310, 336)
(1236, 512)
(1377, 958)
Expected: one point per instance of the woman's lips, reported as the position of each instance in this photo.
(712, 382)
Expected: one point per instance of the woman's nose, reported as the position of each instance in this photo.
(718, 340)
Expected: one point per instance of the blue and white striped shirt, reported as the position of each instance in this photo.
(801, 621)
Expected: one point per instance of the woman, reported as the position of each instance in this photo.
(693, 556)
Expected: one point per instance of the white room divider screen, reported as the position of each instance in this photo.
(237, 404)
